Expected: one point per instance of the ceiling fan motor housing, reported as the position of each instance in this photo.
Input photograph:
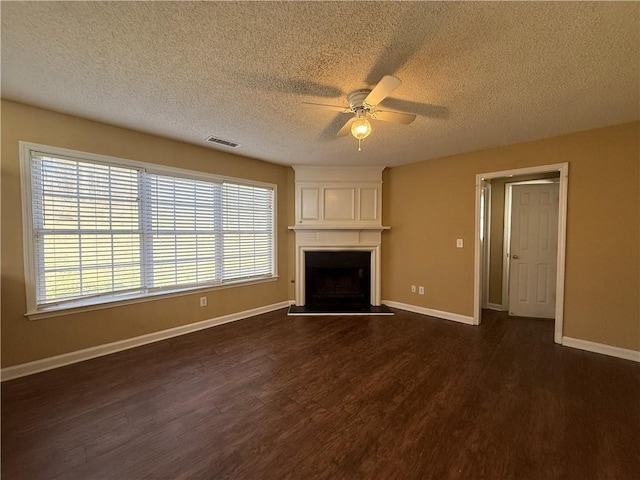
(356, 100)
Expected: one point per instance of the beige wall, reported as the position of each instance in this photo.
(430, 204)
(24, 340)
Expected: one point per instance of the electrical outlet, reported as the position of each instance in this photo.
(203, 301)
(459, 243)
(413, 289)
(421, 290)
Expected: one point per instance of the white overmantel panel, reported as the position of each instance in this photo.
(338, 196)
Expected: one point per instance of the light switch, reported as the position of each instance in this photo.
(459, 243)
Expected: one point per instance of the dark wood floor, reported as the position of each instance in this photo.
(274, 397)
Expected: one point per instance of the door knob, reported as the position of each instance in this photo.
(515, 257)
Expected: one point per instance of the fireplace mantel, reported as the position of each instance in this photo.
(301, 228)
(338, 209)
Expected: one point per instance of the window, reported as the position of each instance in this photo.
(99, 229)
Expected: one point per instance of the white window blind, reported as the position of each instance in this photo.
(102, 230)
(86, 229)
(247, 231)
(181, 220)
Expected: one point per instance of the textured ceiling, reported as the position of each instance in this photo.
(476, 74)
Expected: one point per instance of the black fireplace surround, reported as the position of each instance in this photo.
(337, 278)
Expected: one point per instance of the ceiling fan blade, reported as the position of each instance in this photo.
(385, 86)
(335, 108)
(346, 129)
(393, 117)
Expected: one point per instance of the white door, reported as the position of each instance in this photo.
(533, 250)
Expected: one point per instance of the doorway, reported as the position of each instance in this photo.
(483, 237)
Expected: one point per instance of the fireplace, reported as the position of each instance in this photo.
(337, 278)
(338, 230)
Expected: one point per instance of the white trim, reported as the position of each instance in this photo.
(344, 227)
(562, 247)
(563, 168)
(594, 347)
(455, 317)
(36, 366)
(495, 306)
(477, 255)
(506, 243)
(552, 167)
(27, 224)
(486, 243)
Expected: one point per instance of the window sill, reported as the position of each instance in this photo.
(80, 307)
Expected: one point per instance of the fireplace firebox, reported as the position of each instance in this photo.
(340, 278)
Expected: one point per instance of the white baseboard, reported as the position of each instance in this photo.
(456, 317)
(36, 366)
(601, 348)
(494, 306)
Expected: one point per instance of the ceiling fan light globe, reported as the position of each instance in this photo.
(361, 128)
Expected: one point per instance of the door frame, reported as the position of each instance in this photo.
(485, 240)
(478, 276)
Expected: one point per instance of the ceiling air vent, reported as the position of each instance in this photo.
(221, 141)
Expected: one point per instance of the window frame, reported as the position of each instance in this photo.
(86, 304)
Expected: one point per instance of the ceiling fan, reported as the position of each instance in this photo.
(363, 104)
